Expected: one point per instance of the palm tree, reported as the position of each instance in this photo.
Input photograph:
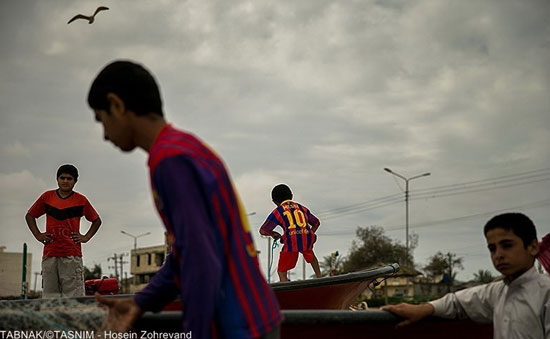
(332, 264)
(483, 277)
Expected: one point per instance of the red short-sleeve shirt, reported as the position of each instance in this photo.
(62, 217)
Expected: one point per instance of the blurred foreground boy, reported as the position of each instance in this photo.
(299, 227)
(213, 265)
(518, 305)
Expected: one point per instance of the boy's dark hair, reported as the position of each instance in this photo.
(281, 193)
(68, 169)
(132, 83)
(519, 223)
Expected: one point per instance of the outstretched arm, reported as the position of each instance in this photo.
(475, 303)
(410, 313)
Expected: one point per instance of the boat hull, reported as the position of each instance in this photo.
(328, 293)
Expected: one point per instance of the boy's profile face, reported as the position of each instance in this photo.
(65, 182)
(115, 129)
(508, 254)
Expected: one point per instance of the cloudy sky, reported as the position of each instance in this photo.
(321, 95)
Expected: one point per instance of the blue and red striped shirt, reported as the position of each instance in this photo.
(213, 264)
(298, 223)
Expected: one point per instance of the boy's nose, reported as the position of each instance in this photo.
(498, 253)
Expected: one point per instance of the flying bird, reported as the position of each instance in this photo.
(89, 18)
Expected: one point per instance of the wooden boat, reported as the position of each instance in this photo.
(327, 293)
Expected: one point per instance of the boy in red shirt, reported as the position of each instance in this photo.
(62, 269)
(299, 226)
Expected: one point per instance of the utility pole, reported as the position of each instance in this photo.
(114, 258)
(121, 262)
(24, 284)
(407, 214)
(126, 282)
(121, 271)
(118, 262)
(406, 200)
(35, 277)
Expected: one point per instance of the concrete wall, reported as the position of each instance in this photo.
(11, 271)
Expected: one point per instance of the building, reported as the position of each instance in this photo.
(410, 284)
(11, 272)
(401, 285)
(144, 263)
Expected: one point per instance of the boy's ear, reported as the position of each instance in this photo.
(533, 247)
(116, 104)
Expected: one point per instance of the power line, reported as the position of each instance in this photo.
(536, 204)
(510, 177)
(360, 204)
(442, 191)
(361, 209)
(473, 189)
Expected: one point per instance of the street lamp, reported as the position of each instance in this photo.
(135, 237)
(406, 200)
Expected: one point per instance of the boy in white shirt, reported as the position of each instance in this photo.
(518, 306)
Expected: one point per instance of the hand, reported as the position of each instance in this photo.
(123, 312)
(275, 235)
(79, 238)
(411, 313)
(44, 237)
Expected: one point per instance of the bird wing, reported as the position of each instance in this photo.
(78, 16)
(100, 8)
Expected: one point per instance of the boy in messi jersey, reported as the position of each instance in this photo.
(299, 226)
(213, 264)
(62, 269)
(518, 305)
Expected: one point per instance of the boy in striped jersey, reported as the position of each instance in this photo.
(299, 226)
(213, 264)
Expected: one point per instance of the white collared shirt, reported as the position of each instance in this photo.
(520, 309)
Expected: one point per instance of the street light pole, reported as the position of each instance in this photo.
(135, 247)
(135, 237)
(406, 200)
